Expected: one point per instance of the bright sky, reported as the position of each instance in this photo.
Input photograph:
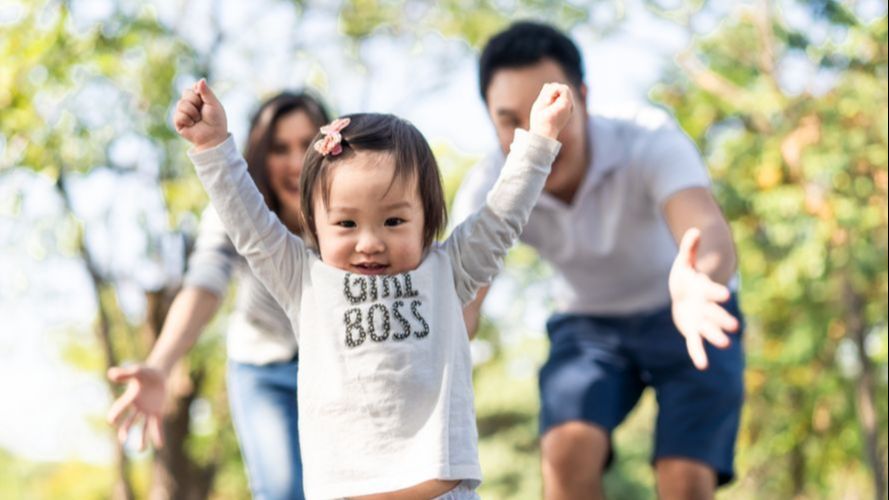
(46, 296)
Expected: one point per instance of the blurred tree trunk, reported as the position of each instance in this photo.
(175, 474)
(864, 390)
(123, 487)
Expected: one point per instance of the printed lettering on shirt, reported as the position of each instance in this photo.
(376, 320)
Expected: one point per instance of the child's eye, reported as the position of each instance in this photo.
(394, 221)
(346, 223)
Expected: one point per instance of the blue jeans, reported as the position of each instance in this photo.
(263, 406)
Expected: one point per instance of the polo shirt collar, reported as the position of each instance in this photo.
(606, 156)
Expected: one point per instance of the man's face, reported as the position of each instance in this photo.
(510, 95)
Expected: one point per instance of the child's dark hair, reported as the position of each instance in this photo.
(526, 43)
(262, 135)
(379, 133)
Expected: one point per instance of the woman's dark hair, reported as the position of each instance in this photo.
(262, 135)
(526, 43)
(379, 133)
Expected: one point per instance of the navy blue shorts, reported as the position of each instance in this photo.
(598, 367)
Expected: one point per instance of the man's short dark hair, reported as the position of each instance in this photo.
(526, 43)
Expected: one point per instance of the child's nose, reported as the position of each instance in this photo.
(369, 243)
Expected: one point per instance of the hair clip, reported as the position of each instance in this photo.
(330, 144)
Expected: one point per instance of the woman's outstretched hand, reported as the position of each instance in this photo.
(551, 110)
(200, 118)
(142, 403)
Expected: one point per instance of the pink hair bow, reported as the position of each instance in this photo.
(330, 144)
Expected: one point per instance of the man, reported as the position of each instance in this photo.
(632, 312)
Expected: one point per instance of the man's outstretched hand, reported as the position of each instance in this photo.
(696, 301)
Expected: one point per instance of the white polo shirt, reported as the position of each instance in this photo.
(611, 247)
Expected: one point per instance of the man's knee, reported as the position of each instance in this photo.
(685, 479)
(575, 452)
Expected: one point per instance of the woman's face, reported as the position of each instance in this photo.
(291, 138)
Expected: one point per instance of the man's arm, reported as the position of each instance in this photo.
(473, 311)
(695, 207)
(704, 264)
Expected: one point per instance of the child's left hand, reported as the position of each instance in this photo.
(552, 110)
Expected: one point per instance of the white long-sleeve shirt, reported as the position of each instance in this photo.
(385, 375)
(258, 331)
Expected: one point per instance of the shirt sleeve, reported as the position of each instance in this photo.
(275, 255)
(214, 256)
(669, 162)
(478, 245)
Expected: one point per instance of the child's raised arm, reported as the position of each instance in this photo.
(551, 110)
(478, 245)
(275, 255)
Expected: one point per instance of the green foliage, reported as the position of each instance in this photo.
(68, 90)
(27, 480)
(471, 20)
(49, 62)
(506, 405)
(802, 176)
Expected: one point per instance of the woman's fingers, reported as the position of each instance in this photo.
(124, 429)
(156, 430)
(143, 437)
(120, 405)
(122, 373)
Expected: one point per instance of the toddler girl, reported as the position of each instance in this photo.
(385, 377)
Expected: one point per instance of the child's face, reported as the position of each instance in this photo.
(371, 224)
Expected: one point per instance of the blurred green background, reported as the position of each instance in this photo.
(786, 100)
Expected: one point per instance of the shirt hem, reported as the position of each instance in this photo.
(472, 474)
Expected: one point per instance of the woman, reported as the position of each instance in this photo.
(261, 345)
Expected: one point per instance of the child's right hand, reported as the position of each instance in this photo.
(199, 117)
(141, 404)
(552, 110)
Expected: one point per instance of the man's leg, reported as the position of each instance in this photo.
(587, 387)
(574, 455)
(684, 479)
(698, 411)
